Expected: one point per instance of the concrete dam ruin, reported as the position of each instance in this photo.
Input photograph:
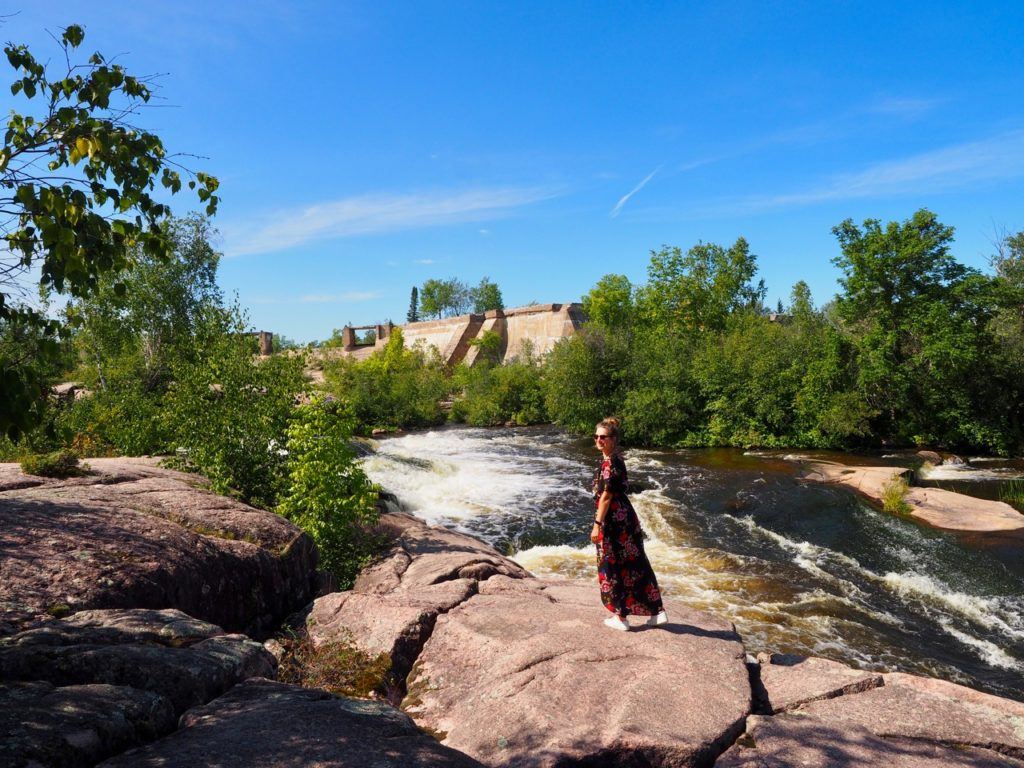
(538, 326)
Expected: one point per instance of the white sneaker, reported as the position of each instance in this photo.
(659, 619)
(616, 623)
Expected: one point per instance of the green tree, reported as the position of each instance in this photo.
(486, 296)
(327, 494)
(609, 304)
(696, 290)
(413, 315)
(585, 378)
(444, 298)
(80, 217)
(920, 320)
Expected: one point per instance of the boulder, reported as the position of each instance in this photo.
(76, 725)
(931, 457)
(525, 674)
(791, 740)
(394, 603)
(788, 681)
(268, 724)
(131, 534)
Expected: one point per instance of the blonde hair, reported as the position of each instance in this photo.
(614, 429)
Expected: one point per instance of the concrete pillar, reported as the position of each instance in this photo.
(348, 337)
(266, 343)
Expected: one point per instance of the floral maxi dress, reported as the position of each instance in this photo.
(627, 581)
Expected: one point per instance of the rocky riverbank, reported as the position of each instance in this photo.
(495, 667)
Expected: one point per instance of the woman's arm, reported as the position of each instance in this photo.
(602, 511)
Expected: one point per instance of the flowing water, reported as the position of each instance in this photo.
(799, 567)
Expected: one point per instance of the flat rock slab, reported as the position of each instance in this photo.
(78, 725)
(959, 512)
(937, 507)
(525, 674)
(267, 724)
(789, 681)
(134, 535)
(932, 710)
(791, 740)
(394, 604)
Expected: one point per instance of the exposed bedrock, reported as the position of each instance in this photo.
(133, 535)
(78, 690)
(524, 674)
(832, 715)
(264, 723)
(935, 506)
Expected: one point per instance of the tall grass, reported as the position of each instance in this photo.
(894, 495)
(1013, 493)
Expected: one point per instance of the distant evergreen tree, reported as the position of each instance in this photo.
(413, 315)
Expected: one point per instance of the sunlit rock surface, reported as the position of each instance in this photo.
(131, 534)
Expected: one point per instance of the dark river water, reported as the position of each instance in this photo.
(799, 567)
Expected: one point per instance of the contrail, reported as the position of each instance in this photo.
(622, 201)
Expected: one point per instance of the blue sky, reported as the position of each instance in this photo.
(366, 147)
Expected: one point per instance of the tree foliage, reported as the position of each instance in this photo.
(486, 296)
(609, 304)
(444, 298)
(78, 187)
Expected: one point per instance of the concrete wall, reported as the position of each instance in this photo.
(540, 325)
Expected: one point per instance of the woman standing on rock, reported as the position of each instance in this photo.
(628, 585)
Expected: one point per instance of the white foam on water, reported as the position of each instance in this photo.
(986, 611)
(989, 652)
(967, 472)
(450, 476)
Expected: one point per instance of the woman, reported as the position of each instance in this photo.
(628, 585)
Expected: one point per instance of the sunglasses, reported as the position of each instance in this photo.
(602, 437)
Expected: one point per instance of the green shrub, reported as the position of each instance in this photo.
(327, 494)
(498, 394)
(894, 495)
(228, 412)
(394, 388)
(56, 464)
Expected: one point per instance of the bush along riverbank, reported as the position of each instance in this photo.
(490, 665)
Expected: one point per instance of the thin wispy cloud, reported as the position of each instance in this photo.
(941, 170)
(376, 214)
(425, 261)
(625, 198)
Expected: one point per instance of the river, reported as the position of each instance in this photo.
(799, 567)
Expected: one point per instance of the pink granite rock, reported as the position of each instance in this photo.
(935, 506)
(789, 681)
(76, 726)
(273, 725)
(395, 602)
(932, 710)
(134, 535)
(530, 677)
(791, 740)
